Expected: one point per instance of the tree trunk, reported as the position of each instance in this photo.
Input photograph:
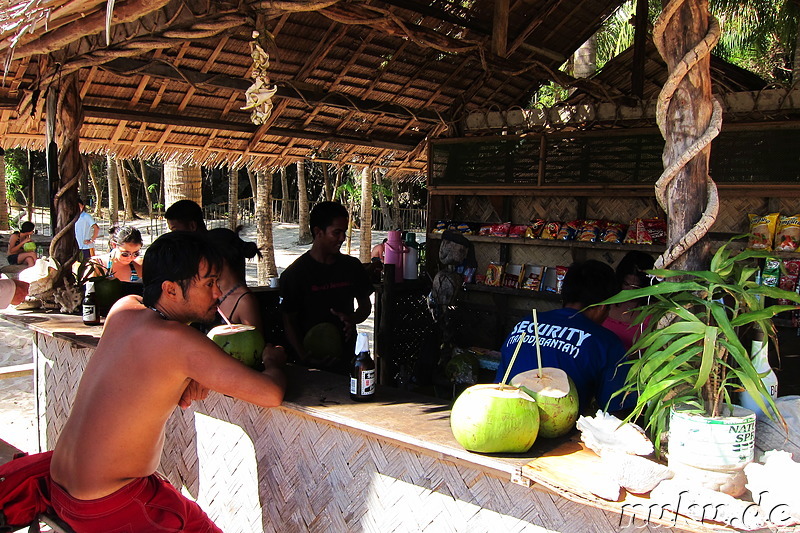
(182, 182)
(113, 190)
(387, 222)
(143, 178)
(251, 176)
(263, 190)
(687, 117)
(305, 236)
(70, 169)
(338, 182)
(326, 182)
(98, 190)
(365, 244)
(233, 198)
(3, 192)
(796, 61)
(284, 196)
(125, 187)
(396, 216)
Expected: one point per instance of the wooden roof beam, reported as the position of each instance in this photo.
(296, 91)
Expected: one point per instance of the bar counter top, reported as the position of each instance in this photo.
(551, 472)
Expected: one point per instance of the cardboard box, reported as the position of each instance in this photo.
(531, 277)
(512, 275)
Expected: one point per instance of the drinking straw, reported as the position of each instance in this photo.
(538, 349)
(223, 316)
(513, 358)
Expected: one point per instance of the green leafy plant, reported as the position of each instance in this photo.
(691, 353)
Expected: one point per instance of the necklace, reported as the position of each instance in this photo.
(159, 311)
(229, 293)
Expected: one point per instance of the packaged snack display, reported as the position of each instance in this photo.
(788, 279)
(465, 228)
(551, 229)
(500, 230)
(485, 230)
(440, 227)
(657, 228)
(517, 231)
(613, 233)
(511, 275)
(534, 231)
(532, 277)
(569, 230)
(771, 273)
(762, 231)
(787, 235)
(494, 275)
(637, 234)
(589, 231)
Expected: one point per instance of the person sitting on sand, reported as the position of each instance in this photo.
(17, 255)
(124, 261)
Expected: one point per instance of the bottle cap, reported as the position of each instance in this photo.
(362, 343)
(89, 287)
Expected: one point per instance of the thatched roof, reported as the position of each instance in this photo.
(358, 81)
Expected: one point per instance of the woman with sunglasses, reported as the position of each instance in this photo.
(123, 261)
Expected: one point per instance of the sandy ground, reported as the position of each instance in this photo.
(17, 414)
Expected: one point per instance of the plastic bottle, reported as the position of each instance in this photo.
(394, 254)
(362, 372)
(89, 306)
(410, 269)
(761, 364)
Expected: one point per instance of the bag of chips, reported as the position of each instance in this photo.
(517, 231)
(787, 236)
(637, 234)
(589, 231)
(551, 229)
(534, 231)
(569, 230)
(762, 231)
(440, 227)
(614, 232)
(657, 228)
(788, 280)
(485, 230)
(500, 230)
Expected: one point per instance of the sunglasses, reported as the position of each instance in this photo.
(123, 253)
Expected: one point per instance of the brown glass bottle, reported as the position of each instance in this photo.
(89, 306)
(362, 372)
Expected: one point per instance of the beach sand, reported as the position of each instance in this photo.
(17, 407)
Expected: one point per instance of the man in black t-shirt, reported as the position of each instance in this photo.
(324, 286)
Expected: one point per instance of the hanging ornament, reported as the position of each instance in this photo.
(258, 96)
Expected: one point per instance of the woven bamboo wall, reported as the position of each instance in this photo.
(279, 470)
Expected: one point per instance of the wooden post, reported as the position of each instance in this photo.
(500, 27)
(266, 265)
(365, 243)
(113, 190)
(233, 198)
(51, 153)
(687, 116)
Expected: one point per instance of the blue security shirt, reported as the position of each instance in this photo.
(589, 354)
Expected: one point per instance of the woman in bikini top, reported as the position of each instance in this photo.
(123, 261)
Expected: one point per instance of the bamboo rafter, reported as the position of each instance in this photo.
(690, 59)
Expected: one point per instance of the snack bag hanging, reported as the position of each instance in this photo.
(787, 236)
(762, 231)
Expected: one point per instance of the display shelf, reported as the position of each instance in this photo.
(650, 248)
(507, 291)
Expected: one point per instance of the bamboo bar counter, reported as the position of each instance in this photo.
(322, 462)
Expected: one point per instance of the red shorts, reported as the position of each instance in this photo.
(145, 505)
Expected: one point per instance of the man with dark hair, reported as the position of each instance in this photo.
(148, 361)
(185, 215)
(572, 339)
(318, 292)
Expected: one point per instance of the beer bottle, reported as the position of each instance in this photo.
(89, 307)
(362, 372)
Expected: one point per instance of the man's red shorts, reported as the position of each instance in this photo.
(145, 505)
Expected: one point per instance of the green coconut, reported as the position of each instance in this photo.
(556, 397)
(490, 418)
(243, 342)
(323, 343)
(106, 293)
(29, 246)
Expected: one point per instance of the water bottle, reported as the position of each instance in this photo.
(89, 306)
(410, 269)
(362, 372)
(761, 364)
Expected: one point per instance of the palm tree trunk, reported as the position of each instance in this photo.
(266, 265)
(365, 244)
(796, 61)
(113, 190)
(338, 182)
(305, 236)
(182, 182)
(233, 198)
(3, 192)
(125, 187)
(326, 182)
(387, 222)
(251, 176)
(284, 195)
(143, 178)
(396, 216)
(98, 190)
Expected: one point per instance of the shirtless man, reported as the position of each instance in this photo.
(147, 362)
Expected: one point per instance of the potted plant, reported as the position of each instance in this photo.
(691, 356)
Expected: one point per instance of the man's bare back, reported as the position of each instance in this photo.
(138, 374)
